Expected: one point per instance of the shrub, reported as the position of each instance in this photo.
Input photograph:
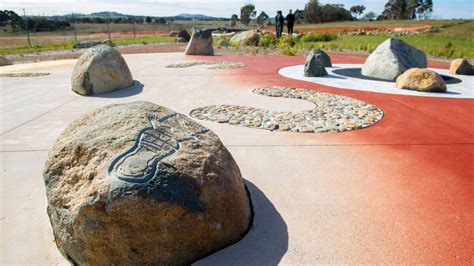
(317, 37)
(291, 51)
(448, 50)
(268, 41)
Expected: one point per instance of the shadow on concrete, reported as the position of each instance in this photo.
(357, 73)
(135, 89)
(265, 243)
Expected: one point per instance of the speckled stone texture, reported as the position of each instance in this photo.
(421, 79)
(200, 43)
(314, 66)
(322, 55)
(461, 67)
(212, 65)
(138, 184)
(24, 74)
(249, 38)
(5, 61)
(332, 113)
(100, 69)
(391, 58)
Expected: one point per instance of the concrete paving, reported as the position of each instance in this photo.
(397, 192)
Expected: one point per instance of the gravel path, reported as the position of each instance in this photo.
(332, 113)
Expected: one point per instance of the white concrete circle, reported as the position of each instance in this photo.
(465, 89)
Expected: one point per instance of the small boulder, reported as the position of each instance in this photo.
(138, 184)
(181, 40)
(246, 38)
(184, 34)
(87, 44)
(5, 61)
(324, 57)
(391, 58)
(173, 34)
(461, 67)
(421, 79)
(100, 69)
(200, 43)
(314, 66)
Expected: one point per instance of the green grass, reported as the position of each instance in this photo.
(68, 46)
(379, 24)
(431, 44)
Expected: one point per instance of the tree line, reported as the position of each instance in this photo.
(315, 12)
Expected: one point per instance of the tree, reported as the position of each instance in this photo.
(233, 20)
(425, 8)
(247, 12)
(262, 18)
(312, 12)
(148, 20)
(369, 16)
(357, 10)
(299, 16)
(412, 7)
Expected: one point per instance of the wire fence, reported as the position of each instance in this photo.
(102, 31)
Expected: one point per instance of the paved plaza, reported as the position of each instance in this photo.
(396, 189)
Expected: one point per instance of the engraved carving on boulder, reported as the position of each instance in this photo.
(140, 164)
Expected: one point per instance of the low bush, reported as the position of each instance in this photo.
(317, 37)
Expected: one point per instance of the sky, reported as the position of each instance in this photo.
(445, 9)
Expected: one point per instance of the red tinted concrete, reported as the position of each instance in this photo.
(416, 184)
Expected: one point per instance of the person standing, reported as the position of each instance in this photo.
(279, 22)
(290, 21)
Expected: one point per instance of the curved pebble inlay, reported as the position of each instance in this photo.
(332, 113)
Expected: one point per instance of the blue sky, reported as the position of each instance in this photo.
(224, 8)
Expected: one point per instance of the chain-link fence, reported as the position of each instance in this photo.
(101, 31)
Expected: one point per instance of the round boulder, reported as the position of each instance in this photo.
(5, 61)
(461, 67)
(138, 184)
(184, 34)
(200, 43)
(421, 79)
(100, 69)
(391, 58)
(246, 38)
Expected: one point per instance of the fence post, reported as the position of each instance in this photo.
(74, 26)
(26, 27)
(134, 31)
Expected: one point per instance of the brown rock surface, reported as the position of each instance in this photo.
(200, 43)
(461, 67)
(100, 69)
(137, 184)
(421, 79)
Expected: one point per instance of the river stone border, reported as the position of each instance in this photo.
(332, 113)
(24, 75)
(213, 65)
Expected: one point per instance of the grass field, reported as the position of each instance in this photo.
(379, 24)
(68, 45)
(449, 39)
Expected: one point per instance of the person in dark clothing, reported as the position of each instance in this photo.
(279, 22)
(290, 21)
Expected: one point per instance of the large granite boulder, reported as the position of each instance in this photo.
(138, 184)
(5, 61)
(100, 69)
(461, 67)
(421, 79)
(184, 34)
(200, 43)
(246, 38)
(314, 66)
(391, 58)
(324, 57)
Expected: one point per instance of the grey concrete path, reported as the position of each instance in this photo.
(319, 198)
